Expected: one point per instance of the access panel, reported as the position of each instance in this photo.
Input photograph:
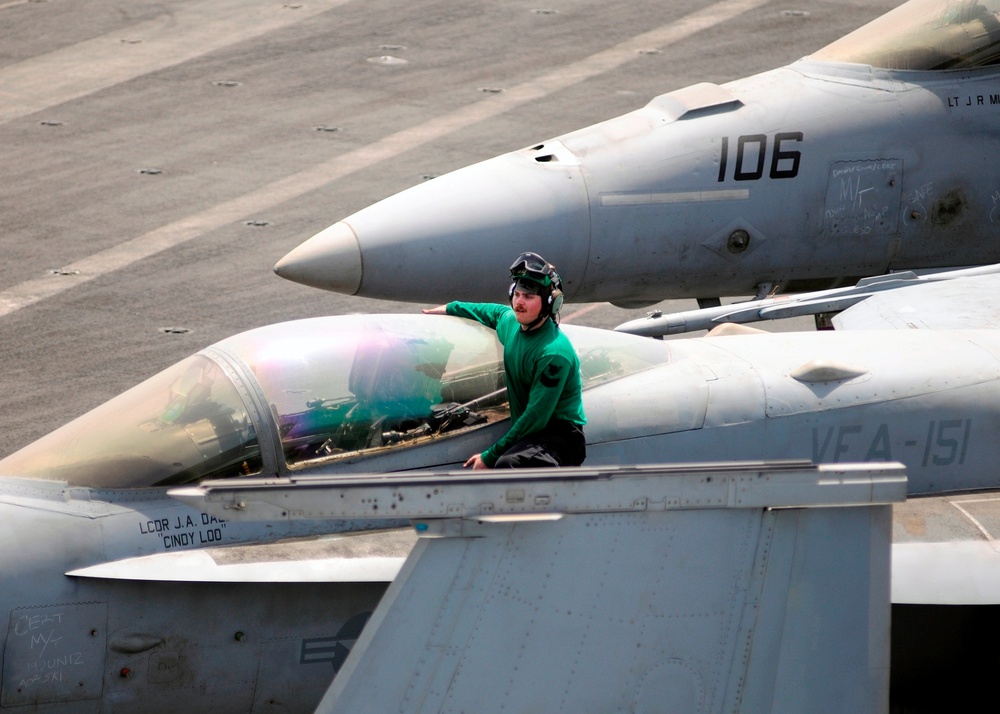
(54, 653)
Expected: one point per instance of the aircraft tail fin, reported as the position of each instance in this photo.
(681, 607)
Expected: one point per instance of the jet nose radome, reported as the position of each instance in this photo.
(330, 260)
(431, 242)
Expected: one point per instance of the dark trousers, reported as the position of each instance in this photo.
(561, 443)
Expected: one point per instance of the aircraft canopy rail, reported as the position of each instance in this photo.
(549, 494)
(924, 35)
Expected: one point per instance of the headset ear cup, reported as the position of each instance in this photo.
(555, 302)
(510, 292)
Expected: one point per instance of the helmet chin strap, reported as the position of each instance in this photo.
(536, 322)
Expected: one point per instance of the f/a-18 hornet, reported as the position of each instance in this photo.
(116, 593)
(873, 154)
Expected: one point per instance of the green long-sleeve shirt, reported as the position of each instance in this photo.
(542, 369)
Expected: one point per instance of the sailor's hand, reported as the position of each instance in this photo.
(476, 462)
(439, 310)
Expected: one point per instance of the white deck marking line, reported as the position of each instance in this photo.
(170, 39)
(186, 229)
(581, 311)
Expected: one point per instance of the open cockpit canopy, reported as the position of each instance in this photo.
(310, 393)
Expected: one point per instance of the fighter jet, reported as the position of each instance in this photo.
(875, 153)
(910, 375)
(116, 594)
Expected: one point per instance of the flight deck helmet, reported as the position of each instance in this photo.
(536, 275)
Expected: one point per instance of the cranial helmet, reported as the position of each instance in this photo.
(538, 276)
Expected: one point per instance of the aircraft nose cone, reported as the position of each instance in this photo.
(445, 239)
(330, 260)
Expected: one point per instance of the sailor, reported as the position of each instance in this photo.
(542, 371)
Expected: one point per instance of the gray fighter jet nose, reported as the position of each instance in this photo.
(330, 260)
(445, 239)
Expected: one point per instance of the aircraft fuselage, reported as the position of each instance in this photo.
(802, 177)
(822, 397)
(81, 644)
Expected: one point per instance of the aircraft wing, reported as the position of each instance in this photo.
(967, 302)
(954, 299)
(352, 557)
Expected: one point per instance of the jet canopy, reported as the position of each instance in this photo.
(322, 393)
(924, 35)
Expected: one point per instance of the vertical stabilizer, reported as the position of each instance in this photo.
(687, 606)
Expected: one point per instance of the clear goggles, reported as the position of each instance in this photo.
(531, 265)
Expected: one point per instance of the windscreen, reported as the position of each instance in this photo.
(925, 35)
(606, 355)
(184, 424)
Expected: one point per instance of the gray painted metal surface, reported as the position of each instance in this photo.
(707, 588)
(868, 155)
(944, 547)
(355, 557)
(135, 640)
(526, 494)
(895, 405)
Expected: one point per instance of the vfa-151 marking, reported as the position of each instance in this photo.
(875, 153)
(945, 443)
